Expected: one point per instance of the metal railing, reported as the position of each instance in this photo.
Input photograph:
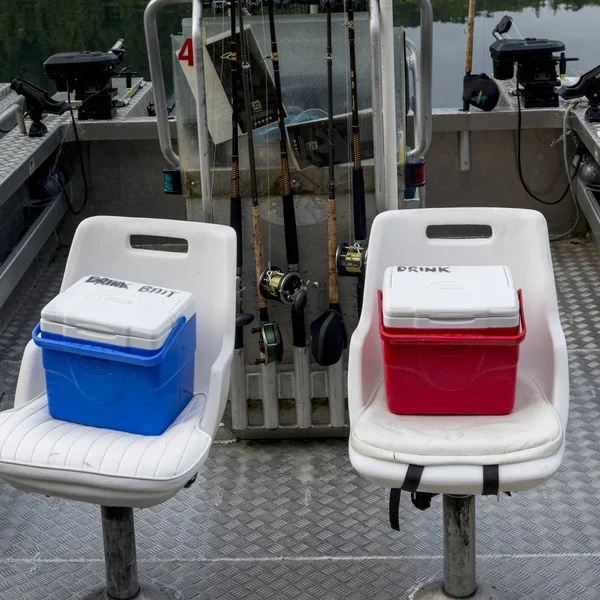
(157, 78)
(201, 111)
(160, 97)
(425, 81)
(377, 104)
(383, 73)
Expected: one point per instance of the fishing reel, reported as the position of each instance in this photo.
(350, 260)
(270, 343)
(287, 288)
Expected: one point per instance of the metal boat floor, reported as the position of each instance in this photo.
(291, 519)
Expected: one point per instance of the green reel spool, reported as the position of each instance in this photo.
(270, 343)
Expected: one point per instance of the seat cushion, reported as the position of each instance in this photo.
(533, 430)
(43, 453)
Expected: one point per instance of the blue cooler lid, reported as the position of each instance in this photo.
(113, 311)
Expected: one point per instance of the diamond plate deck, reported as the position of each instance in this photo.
(291, 519)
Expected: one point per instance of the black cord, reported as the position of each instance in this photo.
(519, 161)
(79, 152)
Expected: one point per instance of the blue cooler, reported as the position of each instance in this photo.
(118, 354)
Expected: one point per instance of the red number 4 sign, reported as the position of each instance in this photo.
(186, 53)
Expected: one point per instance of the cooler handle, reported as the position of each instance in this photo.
(454, 338)
(106, 353)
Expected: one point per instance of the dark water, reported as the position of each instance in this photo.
(32, 30)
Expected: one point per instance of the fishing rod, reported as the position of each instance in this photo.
(469, 51)
(270, 341)
(235, 203)
(350, 258)
(288, 288)
(478, 89)
(328, 334)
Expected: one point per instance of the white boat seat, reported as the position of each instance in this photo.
(42, 454)
(118, 470)
(533, 430)
(461, 456)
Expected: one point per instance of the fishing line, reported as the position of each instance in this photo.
(235, 207)
(287, 288)
(569, 107)
(265, 43)
(484, 46)
(328, 334)
(224, 57)
(270, 342)
(348, 129)
(516, 29)
(358, 184)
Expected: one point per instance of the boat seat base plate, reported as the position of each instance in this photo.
(435, 591)
(147, 592)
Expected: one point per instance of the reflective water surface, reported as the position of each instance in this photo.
(32, 30)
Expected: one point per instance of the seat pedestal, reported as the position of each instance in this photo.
(121, 560)
(459, 556)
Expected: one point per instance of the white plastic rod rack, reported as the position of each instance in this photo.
(302, 387)
(237, 391)
(270, 396)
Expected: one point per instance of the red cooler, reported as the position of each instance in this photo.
(450, 339)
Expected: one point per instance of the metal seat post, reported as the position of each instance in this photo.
(120, 554)
(120, 558)
(459, 556)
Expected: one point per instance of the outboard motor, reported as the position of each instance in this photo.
(536, 65)
(536, 68)
(89, 75)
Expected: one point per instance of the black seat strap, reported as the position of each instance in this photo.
(491, 487)
(413, 478)
(395, 508)
(410, 484)
(491, 480)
